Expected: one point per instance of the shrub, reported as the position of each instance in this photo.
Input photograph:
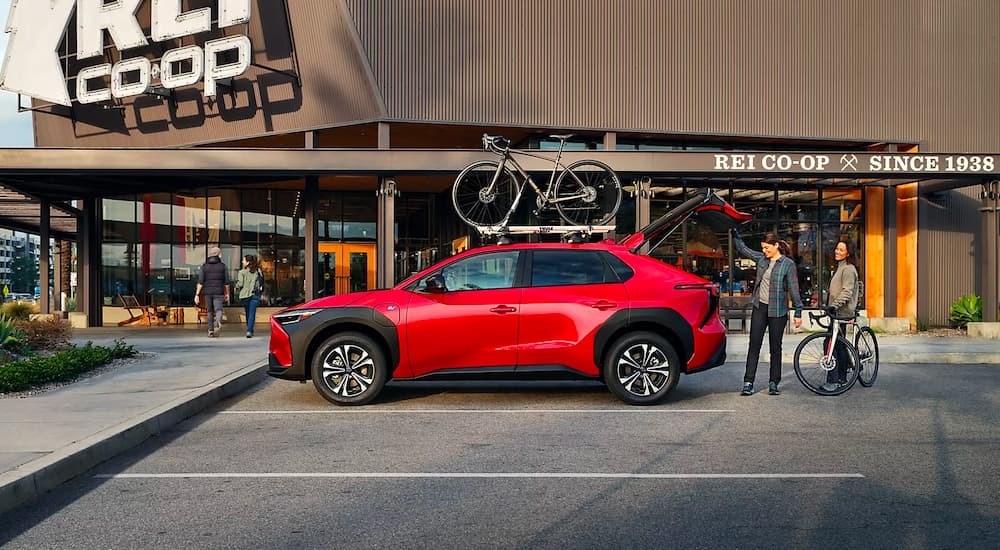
(46, 333)
(36, 371)
(18, 310)
(10, 335)
(967, 309)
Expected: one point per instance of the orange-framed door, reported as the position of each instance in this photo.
(346, 267)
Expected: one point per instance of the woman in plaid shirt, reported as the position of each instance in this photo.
(777, 281)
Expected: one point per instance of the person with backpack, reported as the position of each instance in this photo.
(249, 286)
(213, 288)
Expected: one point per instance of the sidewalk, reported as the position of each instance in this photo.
(53, 437)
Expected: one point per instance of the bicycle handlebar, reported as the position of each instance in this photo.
(819, 318)
(496, 144)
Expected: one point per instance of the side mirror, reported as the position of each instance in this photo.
(435, 284)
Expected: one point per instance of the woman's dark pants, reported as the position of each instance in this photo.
(775, 326)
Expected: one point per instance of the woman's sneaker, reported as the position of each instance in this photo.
(772, 388)
(747, 389)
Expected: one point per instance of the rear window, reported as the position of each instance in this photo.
(570, 267)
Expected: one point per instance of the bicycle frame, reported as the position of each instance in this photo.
(507, 155)
(834, 330)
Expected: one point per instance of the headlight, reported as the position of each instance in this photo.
(294, 316)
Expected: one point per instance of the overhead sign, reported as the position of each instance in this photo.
(855, 163)
(32, 66)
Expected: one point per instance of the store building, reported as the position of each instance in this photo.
(323, 136)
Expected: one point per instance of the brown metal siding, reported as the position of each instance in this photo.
(961, 65)
(894, 70)
(948, 258)
(780, 68)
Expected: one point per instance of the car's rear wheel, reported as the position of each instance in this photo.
(641, 368)
(349, 369)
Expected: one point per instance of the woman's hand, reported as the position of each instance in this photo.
(797, 322)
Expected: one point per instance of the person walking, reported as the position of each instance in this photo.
(842, 301)
(213, 288)
(777, 281)
(249, 286)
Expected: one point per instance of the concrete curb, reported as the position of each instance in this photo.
(26, 483)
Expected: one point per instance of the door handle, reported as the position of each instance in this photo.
(503, 309)
(603, 305)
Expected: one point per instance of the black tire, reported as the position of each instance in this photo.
(588, 192)
(349, 369)
(867, 346)
(812, 367)
(475, 202)
(641, 368)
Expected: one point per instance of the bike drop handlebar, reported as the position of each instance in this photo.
(823, 319)
(495, 144)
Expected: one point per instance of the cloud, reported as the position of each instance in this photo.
(16, 129)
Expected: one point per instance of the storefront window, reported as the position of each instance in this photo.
(175, 231)
(119, 219)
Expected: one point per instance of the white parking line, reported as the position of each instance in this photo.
(490, 411)
(477, 475)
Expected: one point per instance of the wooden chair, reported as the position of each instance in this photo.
(202, 311)
(137, 312)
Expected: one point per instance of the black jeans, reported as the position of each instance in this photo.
(843, 358)
(775, 326)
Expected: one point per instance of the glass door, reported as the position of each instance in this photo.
(345, 267)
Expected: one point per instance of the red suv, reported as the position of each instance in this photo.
(601, 311)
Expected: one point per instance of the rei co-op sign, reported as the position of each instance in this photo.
(855, 163)
(32, 66)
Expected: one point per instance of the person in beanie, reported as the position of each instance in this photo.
(213, 288)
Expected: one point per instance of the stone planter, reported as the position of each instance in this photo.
(989, 331)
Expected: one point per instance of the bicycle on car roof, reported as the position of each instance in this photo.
(829, 363)
(487, 193)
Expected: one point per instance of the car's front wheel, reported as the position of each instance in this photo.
(349, 369)
(641, 368)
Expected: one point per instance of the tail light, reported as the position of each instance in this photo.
(713, 297)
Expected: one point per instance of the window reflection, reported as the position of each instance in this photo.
(155, 243)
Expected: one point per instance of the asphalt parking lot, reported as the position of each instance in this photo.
(910, 463)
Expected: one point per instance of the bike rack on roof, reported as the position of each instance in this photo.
(570, 233)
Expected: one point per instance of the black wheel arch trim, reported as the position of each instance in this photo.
(668, 319)
(306, 336)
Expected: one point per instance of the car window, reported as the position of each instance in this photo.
(621, 269)
(569, 267)
(481, 272)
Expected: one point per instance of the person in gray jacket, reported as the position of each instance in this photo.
(842, 301)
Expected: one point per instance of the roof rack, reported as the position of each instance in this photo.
(570, 233)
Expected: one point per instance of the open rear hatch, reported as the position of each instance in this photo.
(710, 209)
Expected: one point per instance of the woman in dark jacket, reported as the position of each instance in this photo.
(777, 281)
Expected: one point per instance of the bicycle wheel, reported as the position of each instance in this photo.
(477, 202)
(867, 347)
(587, 192)
(817, 372)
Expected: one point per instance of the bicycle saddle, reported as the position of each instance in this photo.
(562, 137)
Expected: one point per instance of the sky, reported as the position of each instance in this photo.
(15, 127)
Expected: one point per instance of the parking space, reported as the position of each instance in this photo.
(490, 464)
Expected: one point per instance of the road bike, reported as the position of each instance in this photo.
(820, 359)
(486, 193)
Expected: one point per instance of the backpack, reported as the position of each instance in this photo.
(258, 285)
